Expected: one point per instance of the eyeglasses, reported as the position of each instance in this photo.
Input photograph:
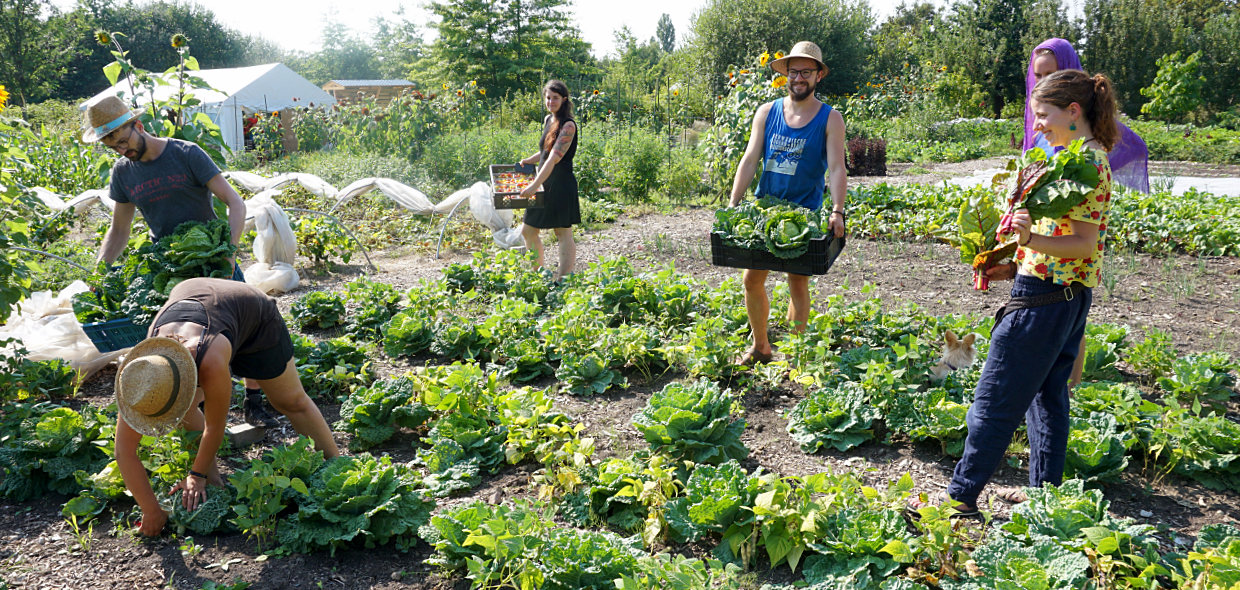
(802, 74)
(114, 137)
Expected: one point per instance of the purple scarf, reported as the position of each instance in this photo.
(1129, 156)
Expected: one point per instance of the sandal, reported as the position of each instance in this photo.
(941, 499)
(753, 357)
(1012, 495)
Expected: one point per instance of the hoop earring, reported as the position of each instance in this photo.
(1072, 127)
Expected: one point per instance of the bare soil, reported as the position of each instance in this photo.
(1196, 300)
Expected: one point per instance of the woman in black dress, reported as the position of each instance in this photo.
(561, 209)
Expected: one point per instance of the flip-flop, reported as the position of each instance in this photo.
(754, 357)
(940, 499)
(1012, 495)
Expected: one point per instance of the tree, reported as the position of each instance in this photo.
(1125, 38)
(33, 51)
(984, 39)
(508, 45)
(343, 56)
(398, 45)
(729, 33)
(666, 32)
(904, 39)
(1176, 91)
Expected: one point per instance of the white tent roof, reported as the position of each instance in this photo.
(269, 87)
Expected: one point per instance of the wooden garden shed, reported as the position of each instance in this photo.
(382, 90)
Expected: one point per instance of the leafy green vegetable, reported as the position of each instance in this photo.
(781, 228)
(359, 498)
(588, 374)
(1201, 379)
(714, 499)
(211, 516)
(838, 418)
(1007, 564)
(1097, 449)
(693, 421)
(49, 448)
(319, 310)
(373, 414)
(407, 334)
(331, 368)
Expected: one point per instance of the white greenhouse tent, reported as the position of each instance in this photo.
(238, 92)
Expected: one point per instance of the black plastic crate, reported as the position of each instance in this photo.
(822, 253)
(513, 200)
(114, 335)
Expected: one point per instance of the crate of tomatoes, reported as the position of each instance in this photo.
(507, 182)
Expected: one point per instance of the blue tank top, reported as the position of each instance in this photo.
(795, 164)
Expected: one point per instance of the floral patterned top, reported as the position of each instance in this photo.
(1095, 208)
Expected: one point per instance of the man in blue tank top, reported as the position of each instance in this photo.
(800, 142)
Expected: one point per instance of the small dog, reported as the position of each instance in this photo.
(958, 353)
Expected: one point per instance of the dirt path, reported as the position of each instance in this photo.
(1196, 300)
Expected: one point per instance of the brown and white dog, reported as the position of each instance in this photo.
(958, 353)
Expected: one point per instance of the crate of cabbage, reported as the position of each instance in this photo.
(772, 234)
(507, 182)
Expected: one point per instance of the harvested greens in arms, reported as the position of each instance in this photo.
(1047, 186)
(771, 224)
(139, 287)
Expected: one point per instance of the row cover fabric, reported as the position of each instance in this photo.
(45, 326)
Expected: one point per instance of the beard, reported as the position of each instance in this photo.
(138, 150)
(805, 91)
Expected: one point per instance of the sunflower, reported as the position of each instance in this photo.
(675, 93)
(459, 93)
(179, 41)
(473, 82)
(102, 37)
(765, 58)
(596, 92)
(779, 81)
(482, 91)
(4, 96)
(779, 55)
(445, 85)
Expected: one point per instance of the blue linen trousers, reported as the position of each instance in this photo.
(1026, 374)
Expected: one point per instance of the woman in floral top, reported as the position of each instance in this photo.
(1032, 347)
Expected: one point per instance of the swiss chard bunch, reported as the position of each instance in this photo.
(373, 414)
(1050, 186)
(836, 417)
(49, 448)
(358, 499)
(693, 421)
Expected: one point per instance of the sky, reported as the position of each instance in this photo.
(297, 24)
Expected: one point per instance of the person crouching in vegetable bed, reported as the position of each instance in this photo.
(208, 327)
(800, 141)
(1037, 333)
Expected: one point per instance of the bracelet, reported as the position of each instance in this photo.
(196, 474)
(842, 214)
(1026, 242)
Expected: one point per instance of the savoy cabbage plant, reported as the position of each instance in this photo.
(836, 417)
(693, 421)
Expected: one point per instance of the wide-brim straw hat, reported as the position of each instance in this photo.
(104, 116)
(805, 49)
(155, 385)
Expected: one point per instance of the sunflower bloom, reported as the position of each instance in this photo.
(473, 82)
(482, 91)
(765, 58)
(779, 55)
(459, 93)
(596, 92)
(179, 41)
(675, 93)
(445, 85)
(102, 37)
(744, 71)
(779, 81)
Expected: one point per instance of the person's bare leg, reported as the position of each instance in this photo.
(568, 252)
(1078, 367)
(798, 302)
(533, 242)
(758, 307)
(288, 397)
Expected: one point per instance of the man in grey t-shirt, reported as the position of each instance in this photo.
(170, 181)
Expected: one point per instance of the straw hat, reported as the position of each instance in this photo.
(104, 116)
(806, 49)
(155, 385)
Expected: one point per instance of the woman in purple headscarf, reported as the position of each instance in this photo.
(1129, 157)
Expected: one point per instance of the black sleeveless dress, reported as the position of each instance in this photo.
(561, 207)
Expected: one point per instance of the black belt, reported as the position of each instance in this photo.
(1067, 294)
